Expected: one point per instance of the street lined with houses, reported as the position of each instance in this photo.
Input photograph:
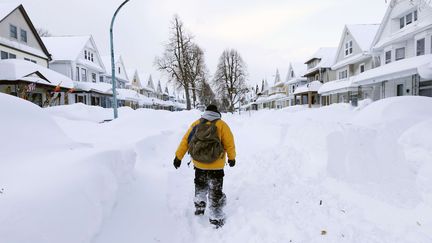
(64, 70)
(371, 61)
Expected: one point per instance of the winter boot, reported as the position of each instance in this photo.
(200, 208)
(218, 223)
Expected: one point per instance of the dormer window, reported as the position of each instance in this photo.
(348, 48)
(85, 54)
(408, 19)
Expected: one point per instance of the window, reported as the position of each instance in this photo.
(4, 55)
(400, 53)
(409, 18)
(83, 75)
(119, 71)
(362, 68)
(343, 74)
(399, 90)
(101, 79)
(388, 57)
(30, 60)
(94, 77)
(92, 57)
(12, 56)
(23, 35)
(77, 74)
(420, 47)
(13, 31)
(348, 48)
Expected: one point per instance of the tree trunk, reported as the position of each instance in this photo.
(188, 101)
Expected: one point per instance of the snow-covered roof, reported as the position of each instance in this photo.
(403, 68)
(298, 68)
(363, 34)
(296, 80)
(65, 47)
(7, 8)
(326, 55)
(337, 86)
(102, 88)
(313, 86)
(128, 94)
(16, 69)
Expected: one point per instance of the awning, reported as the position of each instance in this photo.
(337, 86)
(102, 88)
(21, 70)
(313, 86)
(415, 65)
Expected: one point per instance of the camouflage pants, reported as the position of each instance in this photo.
(209, 183)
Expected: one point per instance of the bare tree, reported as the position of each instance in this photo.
(230, 78)
(43, 32)
(175, 57)
(196, 68)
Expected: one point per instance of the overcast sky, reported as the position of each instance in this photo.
(268, 34)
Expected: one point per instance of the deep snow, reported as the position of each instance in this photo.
(359, 174)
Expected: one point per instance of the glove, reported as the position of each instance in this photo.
(231, 162)
(177, 163)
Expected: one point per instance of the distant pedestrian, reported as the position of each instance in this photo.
(209, 140)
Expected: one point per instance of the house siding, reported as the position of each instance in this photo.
(17, 19)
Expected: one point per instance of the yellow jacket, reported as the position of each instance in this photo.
(226, 138)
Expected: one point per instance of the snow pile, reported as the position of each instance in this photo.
(26, 128)
(53, 189)
(333, 174)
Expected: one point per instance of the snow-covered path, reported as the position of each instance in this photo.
(282, 189)
(333, 174)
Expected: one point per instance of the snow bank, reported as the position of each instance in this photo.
(53, 189)
(26, 128)
(359, 174)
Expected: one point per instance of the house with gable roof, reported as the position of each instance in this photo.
(318, 72)
(78, 58)
(135, 82)
(293, 80)
(18, 36)
(122, 78)
(353, 57)
(24, 61)
(402, 53)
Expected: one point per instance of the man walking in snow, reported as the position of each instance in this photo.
(209, 140)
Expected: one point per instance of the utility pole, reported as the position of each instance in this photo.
(114, 81)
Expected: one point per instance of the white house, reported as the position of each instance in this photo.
(78, 58)
(353, 57)
(294, 79)
(403, 53)
(120, 71)
(18, 36)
